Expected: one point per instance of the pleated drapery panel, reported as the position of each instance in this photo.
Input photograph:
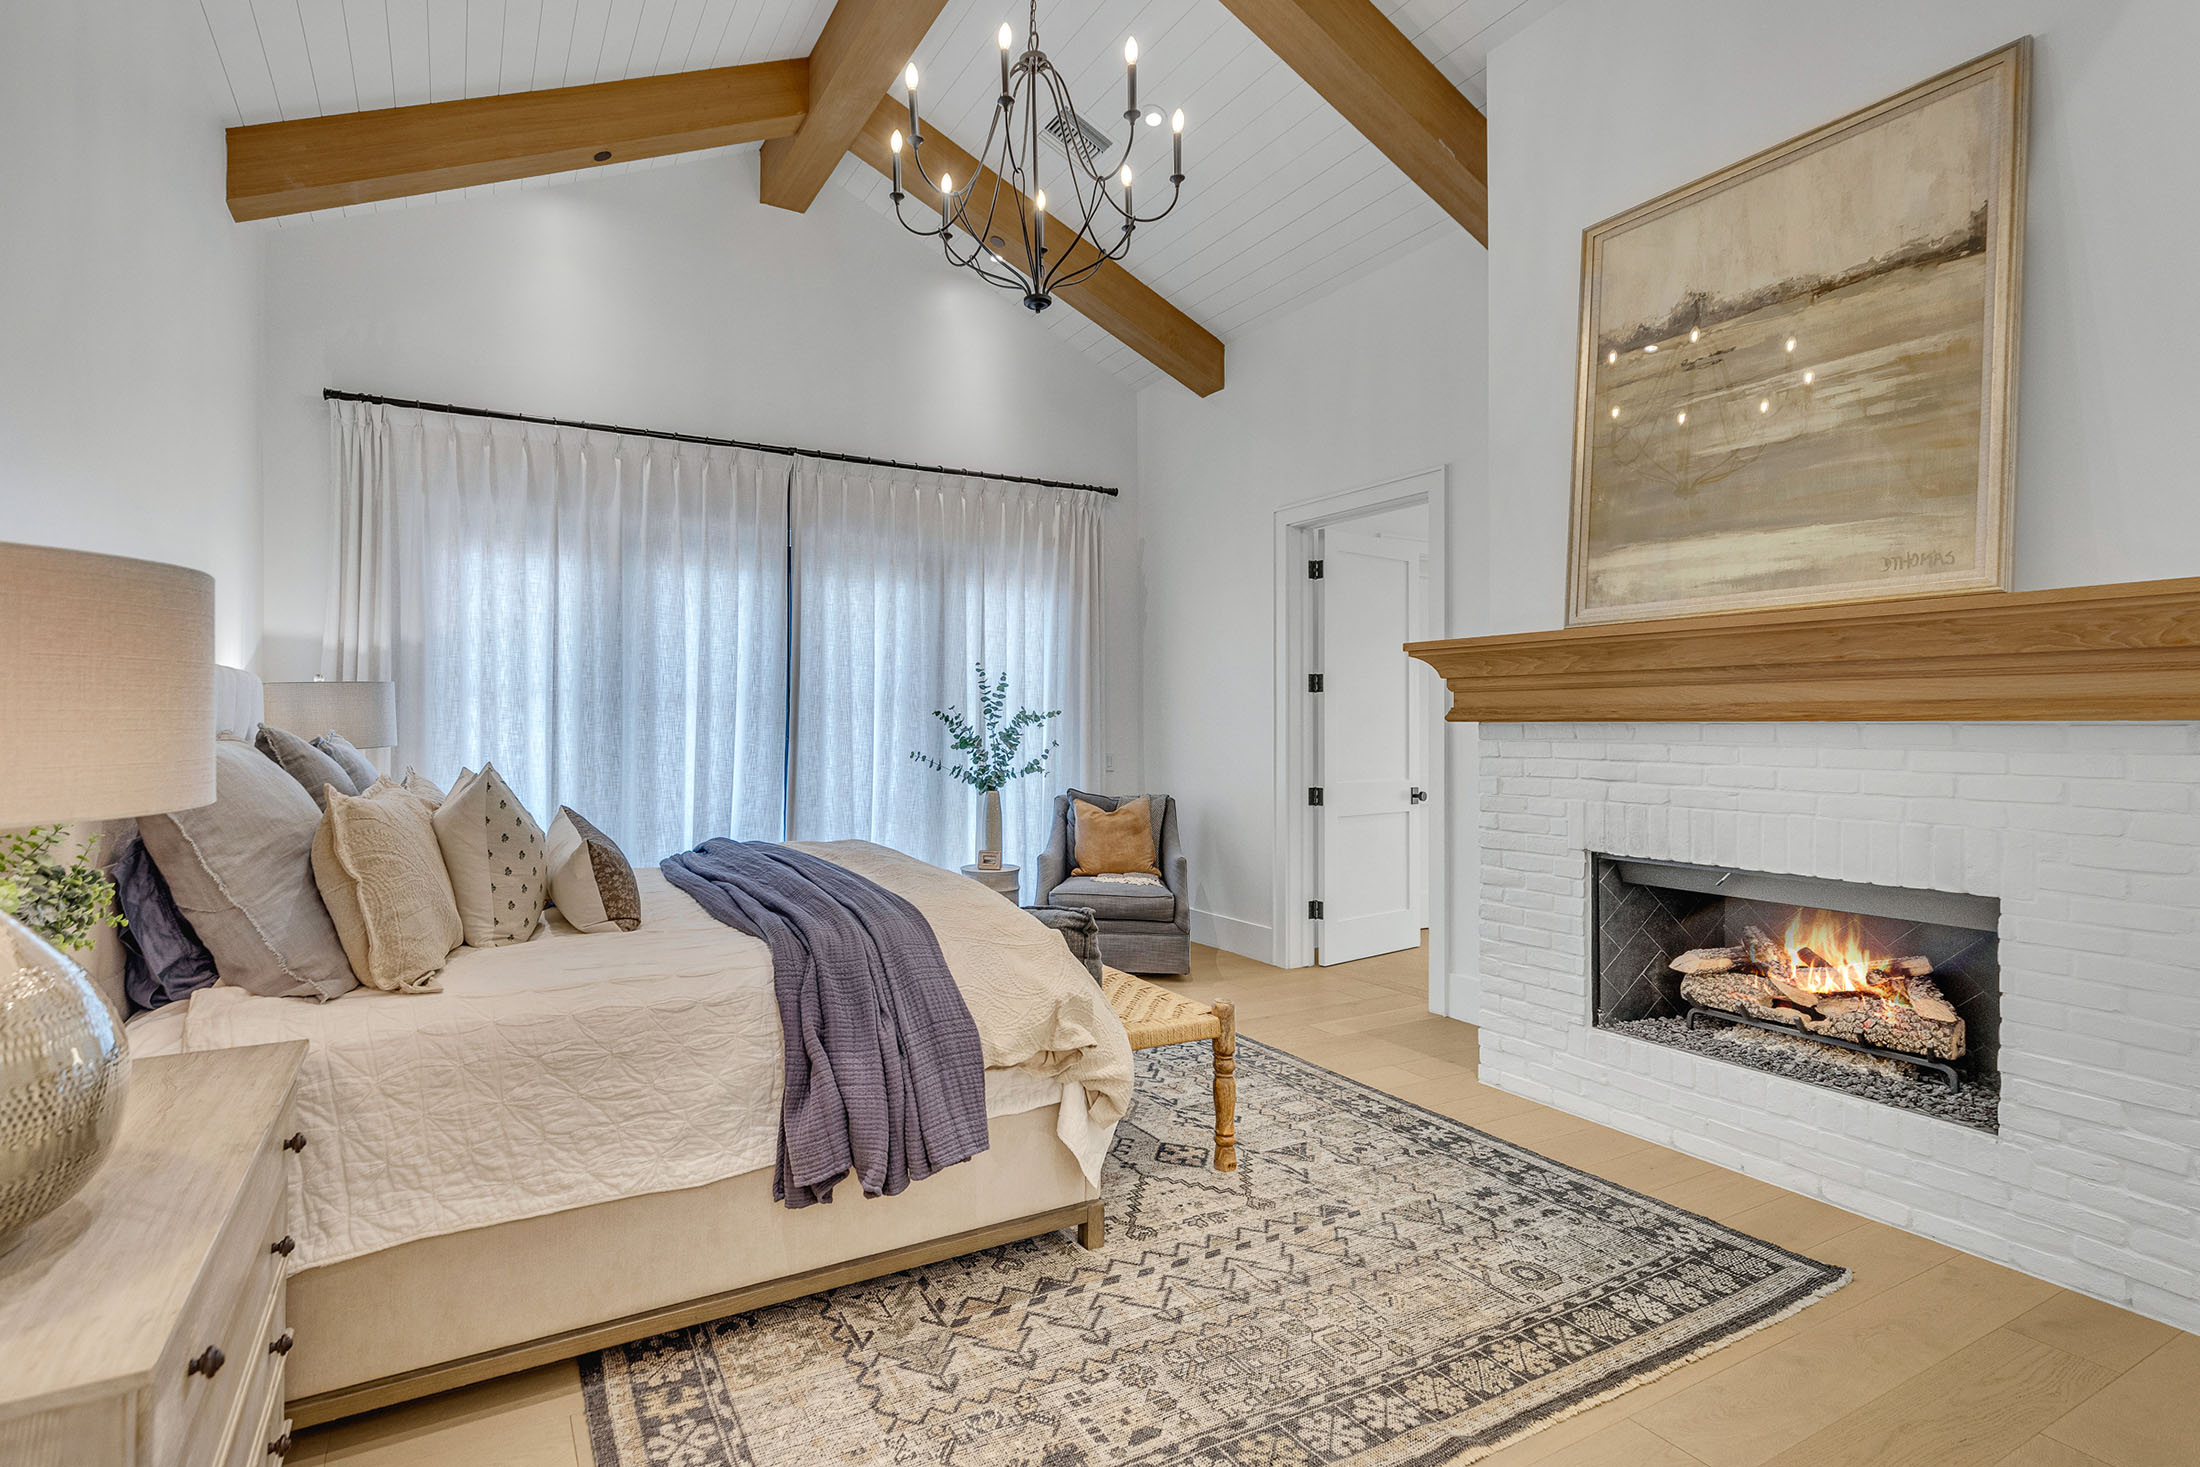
(601, 615)
(904, 581)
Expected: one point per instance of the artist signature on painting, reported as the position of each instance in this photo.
(1911, 560)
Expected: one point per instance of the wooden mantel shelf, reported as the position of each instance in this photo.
(2127, 651)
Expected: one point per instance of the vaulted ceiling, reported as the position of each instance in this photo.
(1285, 199)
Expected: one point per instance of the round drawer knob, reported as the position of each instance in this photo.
(284, 1246)
(280, 1447)
(297, 1142)
(281, 1344)
(206, 1362)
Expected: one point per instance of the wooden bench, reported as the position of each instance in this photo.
(1154, 1016)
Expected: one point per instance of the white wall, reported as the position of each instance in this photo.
(1380, 379)
(1606, 103)
(672, 299)
(128, 301)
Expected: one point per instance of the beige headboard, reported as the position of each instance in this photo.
(239, 701)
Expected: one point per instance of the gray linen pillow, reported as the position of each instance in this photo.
(349, 759)
(241, 871)
(314, 770)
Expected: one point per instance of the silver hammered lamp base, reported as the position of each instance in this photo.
(64, 1070)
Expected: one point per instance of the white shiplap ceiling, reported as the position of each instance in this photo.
(1284, 200)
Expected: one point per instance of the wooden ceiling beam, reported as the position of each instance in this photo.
(860, 51)
(1366, 68)
(360, 157)
(1113, 299)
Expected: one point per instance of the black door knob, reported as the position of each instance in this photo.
(1417, 795)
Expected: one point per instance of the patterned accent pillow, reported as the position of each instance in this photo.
(591, 880)
(494, 852)
(381, 874)
(349, 759)
(313, 770)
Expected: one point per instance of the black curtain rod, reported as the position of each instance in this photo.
(331, 394)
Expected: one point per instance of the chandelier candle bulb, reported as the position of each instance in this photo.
(1008, 39)
(910, 76)
(1130, 67)
(893, 145)
(947, 195)
(1128, 211)
(1176, 126)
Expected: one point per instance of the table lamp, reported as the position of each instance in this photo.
(364, 713)
(106, 711)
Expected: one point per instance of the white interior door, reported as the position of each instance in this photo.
(1366, 748)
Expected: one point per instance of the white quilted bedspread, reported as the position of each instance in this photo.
(579, 1068)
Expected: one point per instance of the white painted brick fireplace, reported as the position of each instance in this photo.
(2088, 833)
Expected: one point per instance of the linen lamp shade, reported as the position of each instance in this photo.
(106, 687)
(364, 713)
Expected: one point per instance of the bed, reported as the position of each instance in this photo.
(571, 1145)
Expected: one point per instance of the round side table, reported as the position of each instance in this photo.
(1002, 881)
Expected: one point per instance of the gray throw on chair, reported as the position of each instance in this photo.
(884, 1070)
(1143, 929)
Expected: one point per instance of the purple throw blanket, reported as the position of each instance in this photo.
(885, 1074)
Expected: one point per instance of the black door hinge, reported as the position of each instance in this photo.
(1314, 910)
(1313, 570)
(1313, 794)
(1313, 682)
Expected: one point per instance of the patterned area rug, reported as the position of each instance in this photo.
(1376, 1285)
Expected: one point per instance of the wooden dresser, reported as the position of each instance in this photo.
(141, 1323)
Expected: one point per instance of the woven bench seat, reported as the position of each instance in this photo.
(1154, 1016)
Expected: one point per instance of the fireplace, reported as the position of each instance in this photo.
(1887, 993)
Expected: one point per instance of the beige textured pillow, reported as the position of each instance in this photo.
(493, 850)
(380, 870)
(419, 784)
(1113, 842)
(241, 871)
(591, 881)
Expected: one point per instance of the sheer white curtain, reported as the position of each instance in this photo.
(603, 616)
(903, 583)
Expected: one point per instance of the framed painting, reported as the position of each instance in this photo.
(1798, 374)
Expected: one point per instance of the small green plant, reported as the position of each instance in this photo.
(64, 902)
(991, 746)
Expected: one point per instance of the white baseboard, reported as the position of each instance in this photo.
(1255, 940)
(1463, 997)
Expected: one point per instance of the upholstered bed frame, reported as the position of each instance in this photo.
(449, 1310)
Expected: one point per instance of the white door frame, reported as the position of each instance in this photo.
(1294, 822)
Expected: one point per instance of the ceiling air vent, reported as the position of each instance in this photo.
(1088, 143)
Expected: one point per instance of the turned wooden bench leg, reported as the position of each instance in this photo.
(1092, 1233)
(1226, 1088)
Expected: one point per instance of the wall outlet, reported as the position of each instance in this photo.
(1111, 764)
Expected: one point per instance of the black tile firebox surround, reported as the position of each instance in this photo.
(1647, 913)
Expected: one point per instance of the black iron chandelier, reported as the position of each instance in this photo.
(1004, 226)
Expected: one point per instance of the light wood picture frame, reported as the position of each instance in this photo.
(1798, 375)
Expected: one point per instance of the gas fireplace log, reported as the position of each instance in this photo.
(1862, 1018)
(1911, 967)
(1709, 959)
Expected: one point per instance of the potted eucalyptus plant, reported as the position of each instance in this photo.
(991, 746)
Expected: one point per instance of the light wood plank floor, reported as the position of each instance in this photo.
(1929, 1357)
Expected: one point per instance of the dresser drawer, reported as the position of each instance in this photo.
(262, 1395)
(217, 1349)
(262, 1432)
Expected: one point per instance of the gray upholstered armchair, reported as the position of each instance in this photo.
(1143, 929)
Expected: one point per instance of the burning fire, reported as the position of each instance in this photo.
(1826, 954)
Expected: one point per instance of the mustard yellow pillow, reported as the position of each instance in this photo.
(1114, 842)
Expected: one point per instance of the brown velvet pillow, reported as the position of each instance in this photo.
(1114, 842)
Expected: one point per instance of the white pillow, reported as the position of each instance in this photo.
(381, 874)
(591, 881)
(494, 851)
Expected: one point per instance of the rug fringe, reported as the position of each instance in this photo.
(1477, 1453)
